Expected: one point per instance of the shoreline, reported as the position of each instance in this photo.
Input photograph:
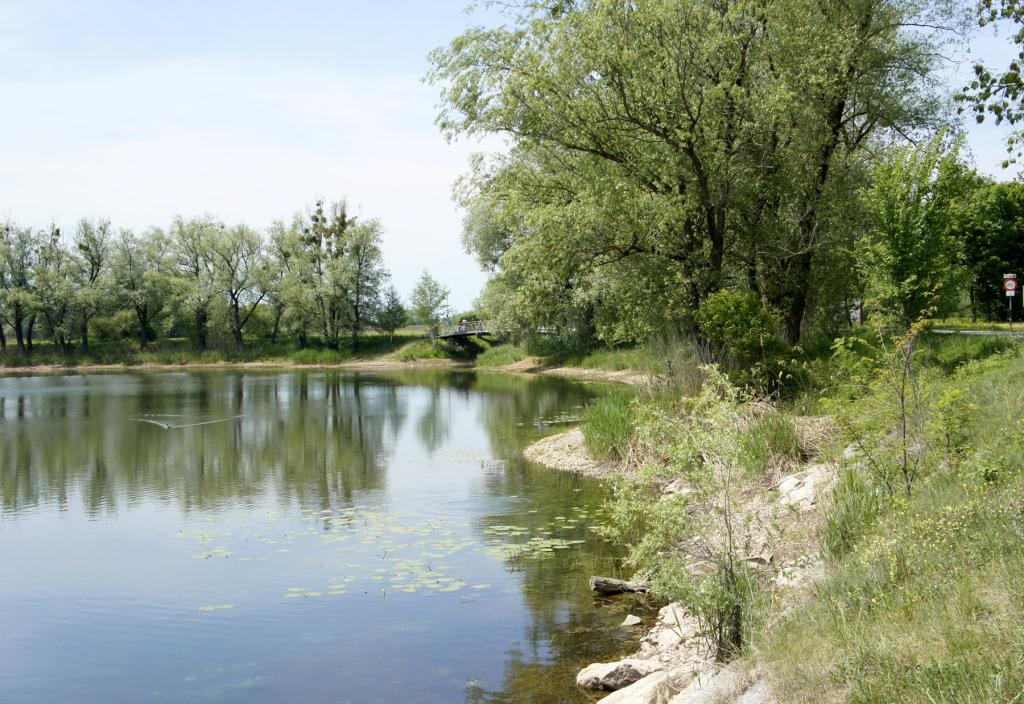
(354, 365)
(672, 664)
(628, 377)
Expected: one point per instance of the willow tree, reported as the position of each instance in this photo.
(239, 271)
(193, 259)
(92, 245)
(665, 149)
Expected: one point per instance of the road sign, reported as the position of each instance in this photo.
(1010, 286)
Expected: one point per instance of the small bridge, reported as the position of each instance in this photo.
(480, 328)
(466, 329)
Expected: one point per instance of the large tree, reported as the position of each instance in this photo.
(428, 301)
(20, 249)
(192, 253)
(92, 245)
(663, 150)
(365, 275)
(239, 272)
(142, 279)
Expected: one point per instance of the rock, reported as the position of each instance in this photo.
(672, 615)
(631, 621)
(851, 452)
(611, 676)
(677, 486)
(649, 690)
(801, 490)
(705, 689)
(759, 560)
(610, 585)
(757, 693)
(663, 638)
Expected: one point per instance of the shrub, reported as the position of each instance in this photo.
(741, 333)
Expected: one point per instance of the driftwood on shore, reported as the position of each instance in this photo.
(610, 585)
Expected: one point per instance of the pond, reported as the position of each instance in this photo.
(303, 536)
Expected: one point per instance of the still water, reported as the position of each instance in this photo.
(294, 537)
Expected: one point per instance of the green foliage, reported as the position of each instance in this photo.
(742, 333)
(426, 350)
(999, 93)
(989, 224)
(609, 424)
(428, 301)
(690, 543)
(322, 274)
(392, 314)
(908, 256)
(853, 506)
(660, 150)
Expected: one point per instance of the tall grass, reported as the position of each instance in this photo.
(608, 426)
(769, 441)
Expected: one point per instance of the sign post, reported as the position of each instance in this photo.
(1010, 287)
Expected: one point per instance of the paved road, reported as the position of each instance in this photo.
(992, 333)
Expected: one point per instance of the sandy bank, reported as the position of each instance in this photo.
(532, 365)
(566, 452)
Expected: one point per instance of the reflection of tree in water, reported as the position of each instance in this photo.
(516, 404)
(309, 438)
(569, 627)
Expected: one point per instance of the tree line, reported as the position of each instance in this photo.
(319, 278)
(799, 153)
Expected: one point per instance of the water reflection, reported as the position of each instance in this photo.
(315, 478)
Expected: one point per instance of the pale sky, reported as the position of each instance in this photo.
(139, 111)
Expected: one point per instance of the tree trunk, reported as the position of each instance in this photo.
(85, 335)
(200, 323)
(28, 333)
(236, 325)
(19, 329)
(143, 317)
(277, 325)
(3, 340)
(798, 304)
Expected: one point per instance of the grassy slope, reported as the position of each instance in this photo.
(928, 605)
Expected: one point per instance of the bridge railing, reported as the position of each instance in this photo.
(483, 327)
(470, 327)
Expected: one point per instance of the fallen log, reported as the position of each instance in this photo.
(610, 585)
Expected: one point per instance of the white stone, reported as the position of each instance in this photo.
(757, 693)
(712, 689)
(673, 615)
(677, 486)
(631, 621)
(649, 690)
(616, 675)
